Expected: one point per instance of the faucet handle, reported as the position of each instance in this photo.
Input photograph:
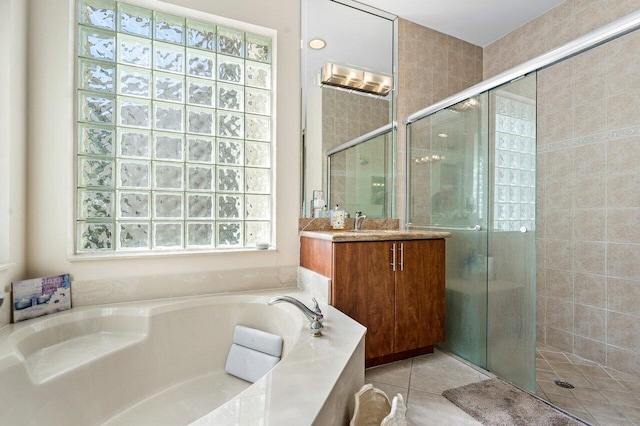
(316, 309)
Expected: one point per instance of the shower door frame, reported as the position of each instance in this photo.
(602, 35)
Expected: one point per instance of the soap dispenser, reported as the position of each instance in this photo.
(338, 218)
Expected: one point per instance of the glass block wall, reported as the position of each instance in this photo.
(515, 164)
(174, 132)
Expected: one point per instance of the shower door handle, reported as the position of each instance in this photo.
(523, 229)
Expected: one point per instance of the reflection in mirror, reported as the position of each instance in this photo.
(447, 169)
(360, 175)
(334, 116)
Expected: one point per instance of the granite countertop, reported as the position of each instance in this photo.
(374, 235)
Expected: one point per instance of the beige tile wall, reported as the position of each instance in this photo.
(431, 67)
(570, 20)
(345, 116)
(588, 182)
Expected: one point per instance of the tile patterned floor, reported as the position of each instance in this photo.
(421, 381)
(602, 396)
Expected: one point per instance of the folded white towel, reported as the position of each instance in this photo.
(248, 364)
(253, 353)
(258, 340)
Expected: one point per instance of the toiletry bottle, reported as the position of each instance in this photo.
(317, 203)
(338, 218)
(317, 211)
(325, 213)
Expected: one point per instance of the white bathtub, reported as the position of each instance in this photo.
(162, 362)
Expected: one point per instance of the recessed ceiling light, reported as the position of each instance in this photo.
(317, 43)
(442, 135)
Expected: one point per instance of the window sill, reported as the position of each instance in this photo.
(156, 254)
(6, 266)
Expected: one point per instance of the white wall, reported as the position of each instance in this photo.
(353, 37)
(51, 165)
(13, 145)
(315, 162)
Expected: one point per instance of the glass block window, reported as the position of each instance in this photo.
(515, 164)
(175, 132)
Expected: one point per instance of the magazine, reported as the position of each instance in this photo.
(40, 296)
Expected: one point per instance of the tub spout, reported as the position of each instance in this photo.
(314, 315)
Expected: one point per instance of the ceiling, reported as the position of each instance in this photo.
(479, 22)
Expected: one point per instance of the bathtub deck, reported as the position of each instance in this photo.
(182, 403)
(55, 360)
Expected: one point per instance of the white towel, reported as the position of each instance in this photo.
(253, 353)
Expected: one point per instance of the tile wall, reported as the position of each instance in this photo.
(346, 116)
(589, 204)
(560, 25)
(588, 179)
(431, 67)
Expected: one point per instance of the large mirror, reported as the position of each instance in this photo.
(360, 174)
(359, 44)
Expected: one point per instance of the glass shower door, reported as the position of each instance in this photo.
(511, 257)
(448, 192)
(472, 172)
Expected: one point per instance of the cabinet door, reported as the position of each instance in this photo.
(419, 294)
(362, 288)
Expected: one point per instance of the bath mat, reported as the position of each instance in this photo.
(494, 402)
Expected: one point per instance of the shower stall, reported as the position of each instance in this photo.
(472, 172)
(535, 172)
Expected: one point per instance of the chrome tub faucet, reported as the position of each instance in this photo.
(314, 314)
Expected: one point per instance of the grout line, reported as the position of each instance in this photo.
(606, 250)
(409, 384)
(574, 207)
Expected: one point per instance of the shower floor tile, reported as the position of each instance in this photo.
(601, 396)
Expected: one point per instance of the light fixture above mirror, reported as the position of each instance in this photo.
(355, 79)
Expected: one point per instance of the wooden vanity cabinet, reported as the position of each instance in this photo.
(401, 303)
(420, 295)
(363, 287)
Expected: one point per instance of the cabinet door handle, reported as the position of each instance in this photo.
(401, 256)
(393, 257)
